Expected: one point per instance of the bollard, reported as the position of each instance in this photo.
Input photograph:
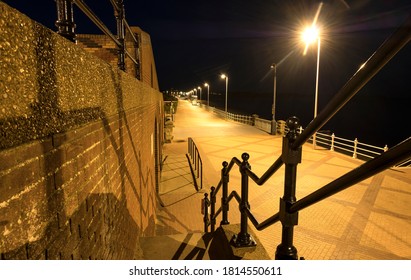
(243, 238)
(290, 157)
(225, 178)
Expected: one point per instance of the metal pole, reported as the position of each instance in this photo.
(224, 200)
(316, 89)
(212, 208)
(205, 203)
(226, 94)
(273, 123)
(119, 14)
(243, 238)
(291, 157)
(65, 19)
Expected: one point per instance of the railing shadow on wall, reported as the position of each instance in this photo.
(291, 157)
(66, 25)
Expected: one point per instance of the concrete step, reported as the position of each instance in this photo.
(201, 246)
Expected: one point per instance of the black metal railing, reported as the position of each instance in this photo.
(291, 157)
(66, 28)
(196, 164)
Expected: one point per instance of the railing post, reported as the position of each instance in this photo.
(243, 238)
(65, 19)
(119, 14)
(205, 202)
(332, 142)
(291, 157)
(225, 178)
(212, 208)
(354, 155)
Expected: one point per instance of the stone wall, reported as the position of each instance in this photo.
(80, 147)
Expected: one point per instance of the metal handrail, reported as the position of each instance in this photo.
(65, 24)
(393, 156)
(292, 153)
(196, 160)
(92, 16)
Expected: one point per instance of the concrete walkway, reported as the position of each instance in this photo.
(371, 220)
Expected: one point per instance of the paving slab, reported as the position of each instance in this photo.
(371, 220)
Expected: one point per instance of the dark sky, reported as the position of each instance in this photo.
(195, 41)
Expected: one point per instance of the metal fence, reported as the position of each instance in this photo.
(351, 147)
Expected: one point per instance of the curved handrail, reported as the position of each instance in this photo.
(291, 156)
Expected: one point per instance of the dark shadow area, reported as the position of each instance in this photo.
(109, 236)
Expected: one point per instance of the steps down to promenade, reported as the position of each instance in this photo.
(370, 220)
(179, 225)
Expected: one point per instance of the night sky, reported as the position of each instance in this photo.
(195, 41)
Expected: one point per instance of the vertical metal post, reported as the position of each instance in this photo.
(273, 122)
(332, 142)
(212, 208)
(225, 178)
(244, 239)
(290, 157)
(65, 19)
(204, 205)
(119, 14)
(354, 155)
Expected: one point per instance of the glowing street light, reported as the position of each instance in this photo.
(223, 76)
(200, 92)
(208, 94)
(310, 35)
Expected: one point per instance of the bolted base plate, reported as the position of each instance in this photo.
(243, 241)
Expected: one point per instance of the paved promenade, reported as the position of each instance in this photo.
(371, 220)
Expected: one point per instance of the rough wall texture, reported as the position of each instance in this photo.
(80, 148)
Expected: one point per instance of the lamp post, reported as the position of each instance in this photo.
(223, 76)
(311, 34)
(274, 123)
(200, 92)
(194, 100)
(208, 94)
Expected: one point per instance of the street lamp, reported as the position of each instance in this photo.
(208, 94)
(223, 76)
(310, 35)
(200, 92)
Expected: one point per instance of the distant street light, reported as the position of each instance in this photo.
(200, 92)
(208, 94)
(223, 76)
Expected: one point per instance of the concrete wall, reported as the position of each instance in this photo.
(80, 146)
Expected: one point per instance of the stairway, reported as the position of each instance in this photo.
(179, 225)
